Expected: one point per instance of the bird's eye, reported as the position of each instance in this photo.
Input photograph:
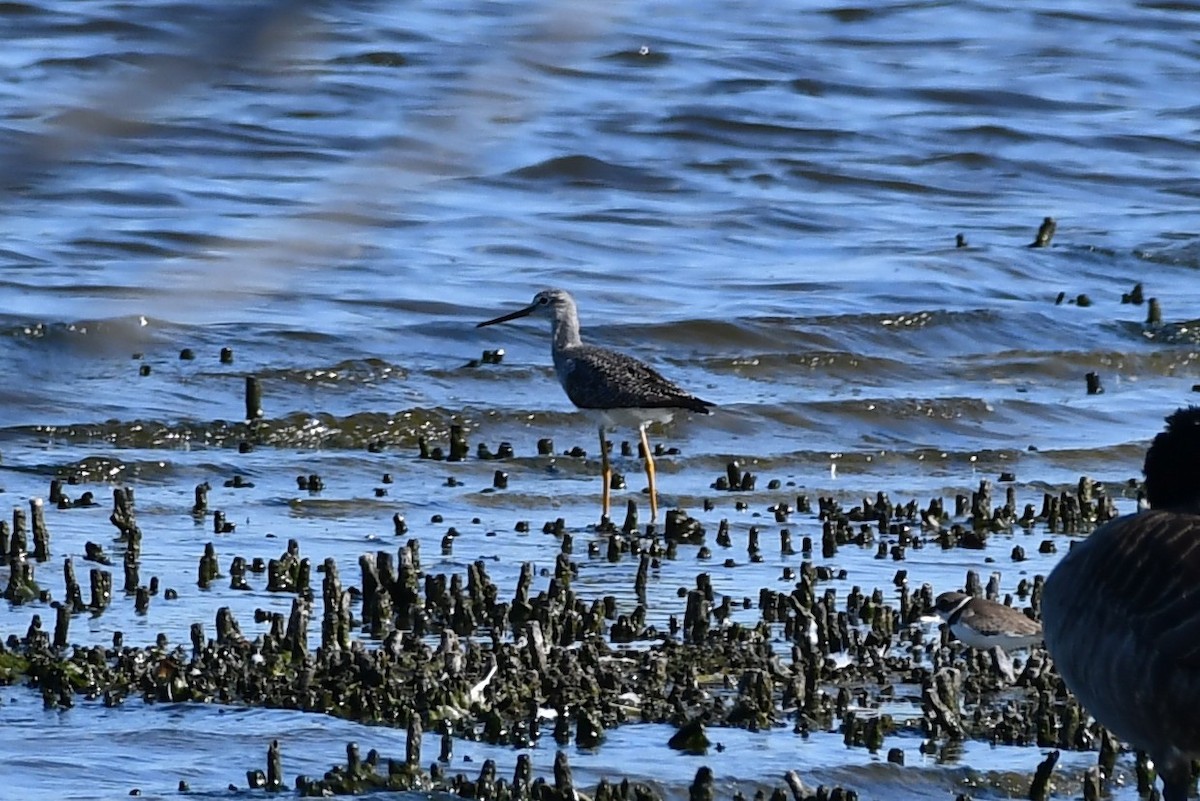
(543, 300)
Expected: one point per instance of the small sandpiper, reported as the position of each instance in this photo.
(981, 623)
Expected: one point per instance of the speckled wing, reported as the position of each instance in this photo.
(597, 378)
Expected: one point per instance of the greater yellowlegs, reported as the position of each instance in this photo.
(1122, 612)
(981, 623)
(623, 390)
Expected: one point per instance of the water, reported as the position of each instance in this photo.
(759, 199)
(190, 742)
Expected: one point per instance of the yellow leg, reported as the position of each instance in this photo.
(650, 474)
(605, 473)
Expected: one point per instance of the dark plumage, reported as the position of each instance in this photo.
(598, 378)
(619, 386)
(1121, 612)
(1172, 480)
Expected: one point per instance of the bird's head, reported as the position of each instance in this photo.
(552, 304)
(948, 603)
(1172, 466)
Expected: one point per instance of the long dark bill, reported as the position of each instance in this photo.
(513, 316)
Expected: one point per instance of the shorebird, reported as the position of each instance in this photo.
(622, 389)
(981, 623)
(1122, 612)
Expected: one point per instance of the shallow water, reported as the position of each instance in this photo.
(152, 749)
(760, 200)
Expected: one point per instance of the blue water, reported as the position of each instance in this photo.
(761, 200)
